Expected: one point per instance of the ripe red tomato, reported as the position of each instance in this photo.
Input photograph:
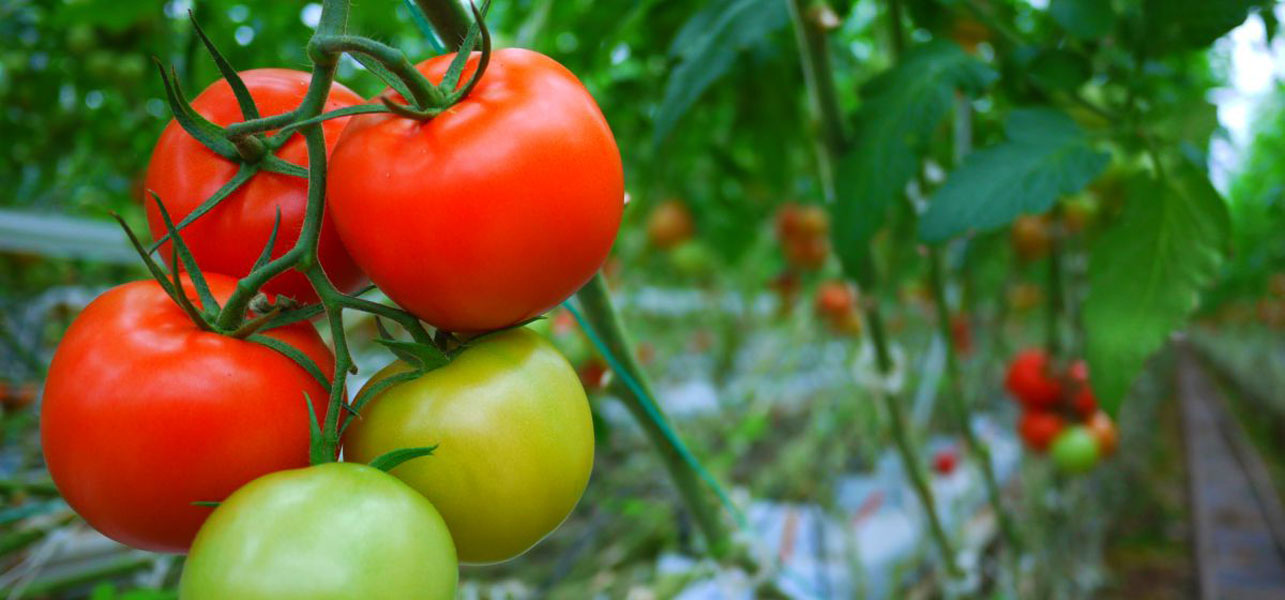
(144, 413)
(945, 461)
(229, 238)
(1038, 428)
(1030, 381)
(669, 224)
(834, 299)
(490, 213)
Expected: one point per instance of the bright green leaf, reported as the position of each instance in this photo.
(1174, 25)
(900, 111)
(1045, 157)
(1146, 274)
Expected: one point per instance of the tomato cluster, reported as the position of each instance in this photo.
(836, 306)
(1060, 414)
(803, 231)
(474, 220)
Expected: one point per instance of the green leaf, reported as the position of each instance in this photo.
(424, 357)
(1084, 19)
(1176, 25)
(899, 113)
(1146, 274)
(706, 47)
(389, 460)
(1046, 156)
(1060, 70)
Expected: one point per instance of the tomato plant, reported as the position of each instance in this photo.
(144, 413)
(514, 441)
(333, 531)
(228, 239)
(489, 213)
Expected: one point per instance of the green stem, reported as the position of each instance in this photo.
(451, 20)
(422, 91)
(602, 316)
(959, 404)
(1056, 300)
(814, 54)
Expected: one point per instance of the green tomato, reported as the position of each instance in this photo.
(514, 441)
(1075, 450)
(333, 531)
(692, 259)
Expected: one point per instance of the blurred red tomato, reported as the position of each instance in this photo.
(1037, 428)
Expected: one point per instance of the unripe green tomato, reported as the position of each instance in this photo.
(335, 531)
(514, 441)
(692, 259)
(1075, 450)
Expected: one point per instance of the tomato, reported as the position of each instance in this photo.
(514, 441)
(669, 224)
(1075, 450)
(333, 531)
(1030, 380)
(1079, 212)
(593, 373)
(490, 213)
(1104, 431)
(144, 413)
(1031, 236)
(834, 298)
(229, 238)
(1082, 398)
(945, 461)
(807, 253)
(1038, 428)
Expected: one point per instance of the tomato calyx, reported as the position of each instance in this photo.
(446, 94)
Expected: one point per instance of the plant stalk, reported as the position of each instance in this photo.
(451, 20)
(596, 303)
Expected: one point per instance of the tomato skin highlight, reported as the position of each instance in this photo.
(336, 531)
(1031, 382)
(229, 238)
(144, 414)
(514, 441)
(490, 213)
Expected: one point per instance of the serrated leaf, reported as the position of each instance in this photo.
(1084, 19)
(1046, 156)
(1146, 273)
(1175, 25)
(389, 460)
(706, 47)
(899, 112)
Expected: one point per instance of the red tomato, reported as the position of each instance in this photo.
(945, 461)
(490, 213)
(834, 299)
(1030, 382)
(144, 413)
(1039, 428)
(229, 238)
(961, 334)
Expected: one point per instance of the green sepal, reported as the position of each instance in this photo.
(294, 354)
(243, 175)
(273, 164)
(183, 253)
(210, 135)
(479, 27)
(347, 111)
(495, 332)
(243, 98)
(266, 254)
(452, 77)
(207, 503)
(425, 357)
(158, 273)
(317, 454)
(385, 75)
(389, 460)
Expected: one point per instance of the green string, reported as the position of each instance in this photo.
(653, 412)
(424, 27)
